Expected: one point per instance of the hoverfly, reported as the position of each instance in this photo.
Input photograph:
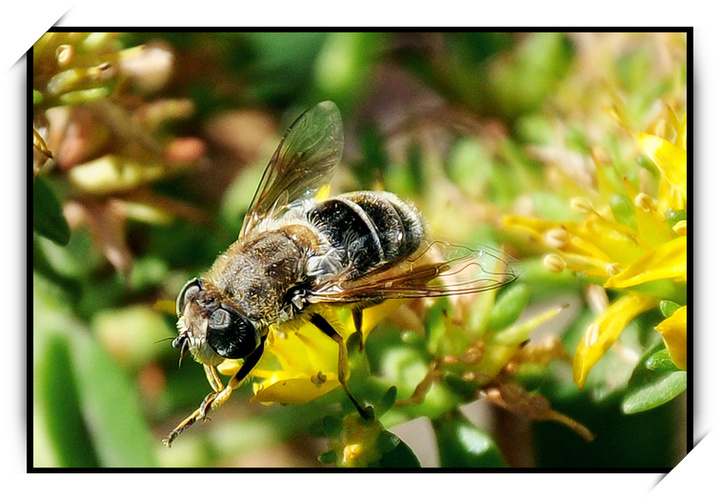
(296, 254)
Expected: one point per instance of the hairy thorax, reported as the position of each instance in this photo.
(258, 273)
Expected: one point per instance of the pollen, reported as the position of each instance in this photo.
(318, 379)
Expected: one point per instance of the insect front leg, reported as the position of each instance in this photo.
(213, 379)
(201, 412)
(325, 327)
(237, 379)
(217, 387)
(220, 393)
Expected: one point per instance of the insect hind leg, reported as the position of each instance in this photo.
(322, 324)
(356, 340)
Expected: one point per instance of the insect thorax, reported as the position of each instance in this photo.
(258, 272)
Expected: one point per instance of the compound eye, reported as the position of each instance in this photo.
(231, 334)
(189, 290)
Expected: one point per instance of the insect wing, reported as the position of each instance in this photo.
(440, 270)
(304, 161)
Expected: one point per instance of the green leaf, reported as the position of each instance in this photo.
(674, 216)
(399, 453)
(331, 425)
(663, 389)
(552, 206)
(468, 166)
(668, 308)
(329, 457)
(48, 219)
(111, 408)
(522, 81)
(386, 401)
(44, 267)
(651, 383)
(461, 444)
(508, 306)
(57, 402)
(661, 361)
(463, 388)
(344, 64)
(375, 161)
(132, 334)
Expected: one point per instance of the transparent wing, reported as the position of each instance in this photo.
(304, 161)
(441, 269)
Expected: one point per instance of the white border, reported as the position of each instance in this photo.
(28, 20)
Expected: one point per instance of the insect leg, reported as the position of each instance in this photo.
(325, 327)
(194, 417)
(236, 379)
(213, 379)
(357, 316)
(220, 394)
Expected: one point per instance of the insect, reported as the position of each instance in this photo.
(296, 254)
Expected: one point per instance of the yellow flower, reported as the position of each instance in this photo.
(674, 333)
(605, 330)
(667, 261)
(307, 368)
(671, 160)
(638, 247)
(301, 365)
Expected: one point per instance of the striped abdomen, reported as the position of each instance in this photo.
(368, 229)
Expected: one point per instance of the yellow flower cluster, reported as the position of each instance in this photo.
(632, 242)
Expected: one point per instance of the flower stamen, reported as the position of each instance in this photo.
(612, 269)
(557, 237)
(681, 228)
(645, 202)
(582, 205)
(591, 335)
(554, 263)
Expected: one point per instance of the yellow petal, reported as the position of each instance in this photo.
(587, 265)
(653, 230)
(681, 140)
(670, 159)
(610, 238)
(590, 245)
(668, 261)
(605, 330)
(298, 365)
(674, 334)
(537, 227)
(293, 390)
(229, 367)
(305, 349)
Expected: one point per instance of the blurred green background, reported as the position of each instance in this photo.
(146, 159)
